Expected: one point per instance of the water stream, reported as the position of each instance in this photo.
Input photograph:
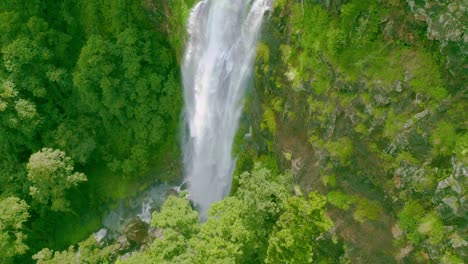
(218, 63)
(141, 205)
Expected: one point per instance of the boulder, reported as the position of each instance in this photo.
(136, 231)
(122, 243)
(171, 192)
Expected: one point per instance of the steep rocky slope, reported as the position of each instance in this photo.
(366, 102)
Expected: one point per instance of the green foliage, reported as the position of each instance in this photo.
(444, 138)
(408, 220)
(329, 180)
(367, 210)
(433, 227)
(360, 21)
(375, 66)
(296, 232)
(263, 53)
(233, 223)
(339, 200)
(114, 82)
(269, 120)
(179, 223)
(177, 214)
(241, 228)
(450, 258)
(461, 148)
(51, 175)
(88, 252)
(341, 150)
(426, 76)
(99, 81)
(174, 21)
(13, 215)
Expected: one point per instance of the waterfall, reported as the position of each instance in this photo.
(218, 63)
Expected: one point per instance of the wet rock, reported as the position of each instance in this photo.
(399, 143)
(297, 166)
(397, 86)
(343, 86)
(408, 124)
(171, 192)
(369, 109)
(396, 232)
(420, 98)
(136, 231)
(451, 202)
(450, 192)
(444, 18)
(446, 22)
(457, 241)
(100, 235)
(122, 243)
(331, 124)
(408, 77)
(421, 115)
(381, 100)
(451, 183)
(405, 252)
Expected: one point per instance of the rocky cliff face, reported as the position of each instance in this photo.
(446, 23)
(365, 101)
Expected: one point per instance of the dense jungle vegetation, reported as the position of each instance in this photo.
(358, 151)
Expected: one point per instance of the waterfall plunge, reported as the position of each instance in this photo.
(217, 65)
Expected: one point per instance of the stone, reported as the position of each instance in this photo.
(296, 166)
(397, 86)
(452, 183)
(457, 241)
(100, 235)
(381, 100)
(405, 252)
(421, 115)
(171, 192)
(451, 202)
(446, 22)
(123, 243)
(396, 232)
(136, 231)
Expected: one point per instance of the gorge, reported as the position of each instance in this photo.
(233, 131)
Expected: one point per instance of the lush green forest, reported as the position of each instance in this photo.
(358, 151)
(89, 108)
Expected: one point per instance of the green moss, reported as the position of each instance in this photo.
(361, 129)
(339, 199)
(425, 75)
(405, 156)
(277, 104)
(269, 162)
(451, 258)
(444, 138)
(393, 124)
(433, 227)
(367, 210)
(341, 150)
(263, 51)
(461, 148)
(409, 219)
(269, 120)
(329, 180)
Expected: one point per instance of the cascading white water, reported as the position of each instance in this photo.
(218, 63)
